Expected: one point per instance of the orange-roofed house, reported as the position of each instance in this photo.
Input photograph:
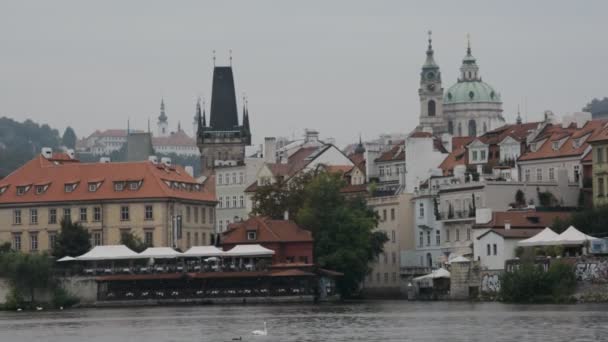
(108, 198)
(291, 243)
(595, 168)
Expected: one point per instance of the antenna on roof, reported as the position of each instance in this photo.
(213, 57)
(230, 53)
(128, 127)
(148, 124)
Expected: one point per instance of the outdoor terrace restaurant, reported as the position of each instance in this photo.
(201, 273)
(118, 259)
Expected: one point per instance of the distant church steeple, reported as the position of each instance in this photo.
(431, 92)
(163, 124)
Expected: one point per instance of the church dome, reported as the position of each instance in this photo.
(471, 92)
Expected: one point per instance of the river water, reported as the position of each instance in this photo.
(361, 321)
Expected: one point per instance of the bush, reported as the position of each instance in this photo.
(61, 298)
(530, 284)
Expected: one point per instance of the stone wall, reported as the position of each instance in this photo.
(83, 288)
(464, 280)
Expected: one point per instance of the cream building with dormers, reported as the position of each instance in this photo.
(108, 199)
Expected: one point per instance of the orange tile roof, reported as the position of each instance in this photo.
(57, 174)
(524, 219)
(396, 153)
(457, 157)
(458, 142)
(267, 231)
(518, 132)
(567, 148)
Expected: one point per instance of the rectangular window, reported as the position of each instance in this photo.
(188, 241)
(234, 178)
(551, 174)
(483, 155)
(33, 216)
(221, 202)
(600, 155)
(489, 251)
(251, 235)
(539, 174)
(393, 236)
(96, 214)
(196, 239)
(457, 234)
(204, 239)
(385, 256)
(385, 277)
(52, 216)
(383, 214)
(527, 175)
(474, 155)
(241, 201)
(97, 238)
(600, 186)
(392, 214)
(421, 239)
(447, 235)
(188, 214)
(394, 277)
(149, 213)
(83, 214)
(421, 210)
(394, 258)
(468, 234)
(428, 238)
(211, 215)
(92, 187)
(437, 238)
(119, 186)
(67, 214)
(381, 171)
(69, 187)
(234, 202)
(220, 179)
(195, 211)
(203, 215)
(495, 249)
(17, 241)
(17, 216)
(133, 185)
(241, 178)
(149, 237)
(52, 239)
(124, 213)
(34, 241)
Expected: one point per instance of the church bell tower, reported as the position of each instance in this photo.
(431, 94)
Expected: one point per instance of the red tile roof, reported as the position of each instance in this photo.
(57, 174)
(519, 132)
(179, 138)
(458, 142)
(567, 148)
(524, 219)
(268, 230)
(396, 153)
(457, 157)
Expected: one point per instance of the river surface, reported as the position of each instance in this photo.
(361, 321)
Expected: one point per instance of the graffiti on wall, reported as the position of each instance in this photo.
(592, 270)
(490, 283)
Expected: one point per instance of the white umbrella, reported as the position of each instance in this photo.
(570, 237)
(539, 239)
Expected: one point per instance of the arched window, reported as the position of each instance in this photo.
(472, 128)
(431, 108)
(460, 129)
(450, 127)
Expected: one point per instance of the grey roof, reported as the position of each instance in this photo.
(223, 115)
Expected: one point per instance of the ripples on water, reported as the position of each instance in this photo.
(365, 321)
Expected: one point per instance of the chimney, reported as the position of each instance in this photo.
(47, 152)
(189, 170)
(153, 159)
(507, 225)
(270, 150)
(311, 135)
(166, 161)
(104, 160)
(70, 152)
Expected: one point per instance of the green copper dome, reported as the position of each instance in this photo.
(470, 92)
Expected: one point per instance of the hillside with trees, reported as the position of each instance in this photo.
(21, 141)
(598, 108)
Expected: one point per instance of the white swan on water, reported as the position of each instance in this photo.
(261, 332)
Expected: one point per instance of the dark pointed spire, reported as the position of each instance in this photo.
(430, 59)
(246, 115)
(359, 149)
(162, 117)
(518, 120)
(224, 111)
(179, 126)
(199, 117)
(204, 115)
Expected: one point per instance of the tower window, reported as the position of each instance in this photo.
(450, 127)
(431, 108)
(472, 128)
(449, 96)
(471, 95)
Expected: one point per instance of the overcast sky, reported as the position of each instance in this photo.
(342, 67)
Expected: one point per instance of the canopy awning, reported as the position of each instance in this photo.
(66, 258)
(458, 259)
(249, 251)
(570, 237)
(112, 252)
(203, 251)
(160, 253)
(438, 273)
(539, 239)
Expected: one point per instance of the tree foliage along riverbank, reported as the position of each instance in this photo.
(531, 284)
(342, 228)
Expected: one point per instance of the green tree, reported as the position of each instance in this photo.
(342, 230)
(6, 248)
(69, 138)
(592, 221)
(273, 200)
(133, 242)
(530, 283)
(27, 272)
(73, 240)
(520, 198)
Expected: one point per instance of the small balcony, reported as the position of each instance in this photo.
(414, 270)
(458, 215)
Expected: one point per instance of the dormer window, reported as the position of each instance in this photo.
(69, 187)
(252, 235)
(40, 189)
(555, 145)
(133, 186)
(3, 189)
(21, 190)
(93, 187)
(119, 186)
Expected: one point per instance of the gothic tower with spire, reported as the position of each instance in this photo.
(223, 141)
(163, 124)
(431, 94)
